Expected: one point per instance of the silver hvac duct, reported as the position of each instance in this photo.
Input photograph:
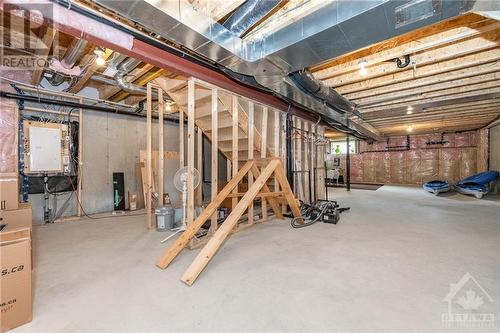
(71, 56)
(248, 14)
(118, 80)
(339, 27)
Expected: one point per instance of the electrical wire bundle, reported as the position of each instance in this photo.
(316, 212)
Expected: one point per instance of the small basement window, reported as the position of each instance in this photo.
(338, 147)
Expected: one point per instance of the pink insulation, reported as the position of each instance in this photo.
(462, 155)
(468, 162)
(448, 164)
(428, 167)
(397, 163)
(8, 136)
(356, 168)
(369, 174)
(482, 150)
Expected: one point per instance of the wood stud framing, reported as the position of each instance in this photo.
(190, 152)
(214, 156)
(263, 151)
(250, 155)
(234, 154)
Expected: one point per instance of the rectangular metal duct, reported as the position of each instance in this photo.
(340, 27)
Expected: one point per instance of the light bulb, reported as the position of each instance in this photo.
(362, 67)
(100, 61)
(409, 112)
(409, 128)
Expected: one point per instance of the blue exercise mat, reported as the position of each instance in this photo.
(478, 184)
(436, 186)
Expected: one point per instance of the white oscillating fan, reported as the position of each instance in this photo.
(181, 183)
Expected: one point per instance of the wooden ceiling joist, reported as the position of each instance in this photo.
(80, 84)
(489, 86)
(436, 88)
(451, 52)
(469, 61)
(108, 92)
(42, 50)
(453, 75)
(482, 98)
(413, 47)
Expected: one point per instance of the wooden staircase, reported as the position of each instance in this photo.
(252, 132)
(226, 110)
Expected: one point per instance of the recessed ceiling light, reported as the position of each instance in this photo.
(409, 112)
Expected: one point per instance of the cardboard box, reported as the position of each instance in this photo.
(17, 218)
(15, 268)
(9, 193)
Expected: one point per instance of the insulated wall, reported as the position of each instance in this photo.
(420, 158)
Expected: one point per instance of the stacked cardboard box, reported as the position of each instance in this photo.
(15, 257)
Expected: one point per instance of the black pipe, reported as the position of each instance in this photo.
(348, 165)
(401, 64)
(50, 101)
(289, 152)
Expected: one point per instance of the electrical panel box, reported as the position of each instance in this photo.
(46, 148)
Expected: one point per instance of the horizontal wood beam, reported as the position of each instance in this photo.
(483, 69)
(412, 47)
(434, 115)
(434, 104)
(468, 61)
(443, 87)
(492, 87)
(449, 52)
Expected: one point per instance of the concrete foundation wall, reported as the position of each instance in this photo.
(111, 143)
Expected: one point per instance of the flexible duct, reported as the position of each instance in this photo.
(73, 53)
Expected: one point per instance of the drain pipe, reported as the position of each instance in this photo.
(73, 53)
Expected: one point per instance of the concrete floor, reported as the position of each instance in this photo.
(385, 267)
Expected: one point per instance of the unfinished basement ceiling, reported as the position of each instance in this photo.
(451, 82)
(446, 79)
(325, 36)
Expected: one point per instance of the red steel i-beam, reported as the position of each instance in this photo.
(98, 33)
